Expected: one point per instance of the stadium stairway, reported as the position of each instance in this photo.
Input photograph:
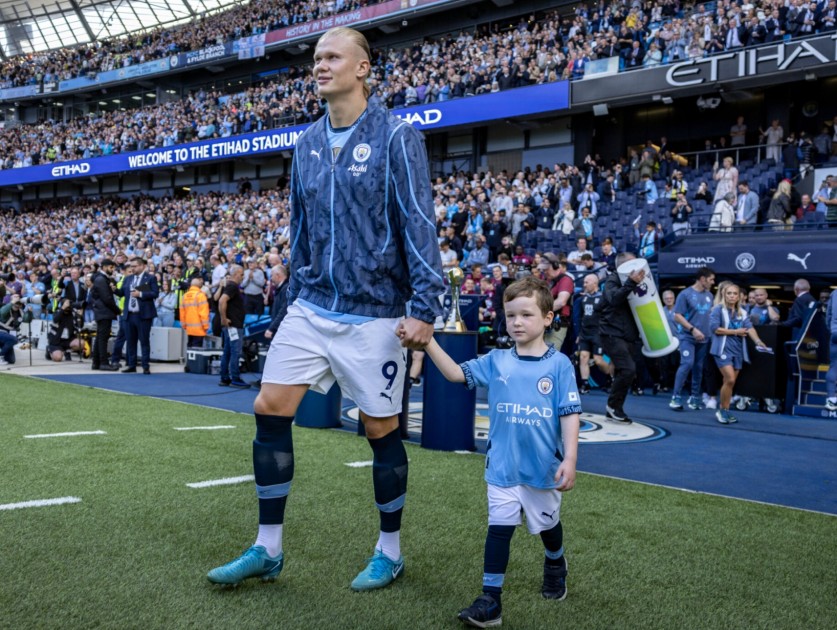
(812, 392)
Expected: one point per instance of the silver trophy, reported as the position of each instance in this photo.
(455, 323)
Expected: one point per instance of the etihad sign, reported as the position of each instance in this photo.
(66, 170)
(751, 62)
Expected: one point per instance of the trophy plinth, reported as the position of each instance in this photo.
(455, 323)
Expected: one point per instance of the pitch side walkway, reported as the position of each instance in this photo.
(768, 458)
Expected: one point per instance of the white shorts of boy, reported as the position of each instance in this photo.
(507, 505)
(366, 360)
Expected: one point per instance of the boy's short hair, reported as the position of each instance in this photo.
(530, 286)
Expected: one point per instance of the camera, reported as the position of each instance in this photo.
(36, 300)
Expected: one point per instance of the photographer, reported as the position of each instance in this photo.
(11, 315)
(680, 216)
(62, 339)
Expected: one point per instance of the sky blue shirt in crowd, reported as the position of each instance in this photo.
(695, 307)
(527, 397)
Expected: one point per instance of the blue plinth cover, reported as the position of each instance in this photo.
(320, 411)
(448, 408)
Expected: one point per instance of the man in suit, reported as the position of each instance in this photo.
(747, 208)
(74, 290)
(279, 276)
(105, 310)
(803, 303)
(140, 289)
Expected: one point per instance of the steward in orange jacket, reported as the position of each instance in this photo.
(194, 313)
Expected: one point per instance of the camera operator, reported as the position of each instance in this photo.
(562, 287)
(105, 311)
(11, 315)
(61, 338)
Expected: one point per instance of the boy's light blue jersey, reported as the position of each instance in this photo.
(527, 397)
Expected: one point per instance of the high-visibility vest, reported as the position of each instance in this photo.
(194, 313)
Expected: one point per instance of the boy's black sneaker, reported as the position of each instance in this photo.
(555, 581)
(485, 612)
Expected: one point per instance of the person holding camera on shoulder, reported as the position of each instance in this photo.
(562, 287)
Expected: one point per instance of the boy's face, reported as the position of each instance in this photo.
(524, 319)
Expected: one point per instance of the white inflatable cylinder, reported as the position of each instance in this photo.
(647, 309)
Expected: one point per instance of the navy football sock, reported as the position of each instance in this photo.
(497, 543)
(273, 465)
(389, 478)
(553, 541)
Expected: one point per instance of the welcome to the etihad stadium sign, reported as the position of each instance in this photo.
(791, 56)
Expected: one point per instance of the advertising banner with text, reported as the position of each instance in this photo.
(791, 56)
(536, 99)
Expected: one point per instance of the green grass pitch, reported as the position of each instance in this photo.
(134, 552)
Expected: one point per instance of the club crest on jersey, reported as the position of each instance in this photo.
(545, 385)
(362, 152)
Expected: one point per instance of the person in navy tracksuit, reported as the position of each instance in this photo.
(363, 244)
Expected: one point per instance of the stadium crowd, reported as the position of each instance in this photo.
(457, 65)
(235, 21)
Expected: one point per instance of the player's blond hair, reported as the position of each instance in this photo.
(359, 40)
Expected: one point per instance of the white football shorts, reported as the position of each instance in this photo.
(367, 360)
(506, 506)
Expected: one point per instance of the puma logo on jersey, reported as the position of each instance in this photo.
(504, 379)
(388, 397)
(317, 153)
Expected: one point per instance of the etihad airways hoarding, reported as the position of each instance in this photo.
(537, 99)
(761, 62)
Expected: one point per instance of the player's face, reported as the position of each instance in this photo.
(340, 66)
(524, 320)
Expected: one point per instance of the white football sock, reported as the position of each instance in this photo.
(390, 544)
(270, 537)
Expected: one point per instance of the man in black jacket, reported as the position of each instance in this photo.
(619, 334)
(105, 311)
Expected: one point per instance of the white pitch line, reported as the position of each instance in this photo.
(39, 503)
(73, 434)
(358, 464)
(464, 452)
(221, 482)
(220, 426)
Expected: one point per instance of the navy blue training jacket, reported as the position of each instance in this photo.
(363, 229)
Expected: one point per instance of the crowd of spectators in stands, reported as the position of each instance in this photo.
(489, 59)
(483, 219)
(241, 20)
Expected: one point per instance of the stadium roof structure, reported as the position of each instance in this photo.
(28, 26)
